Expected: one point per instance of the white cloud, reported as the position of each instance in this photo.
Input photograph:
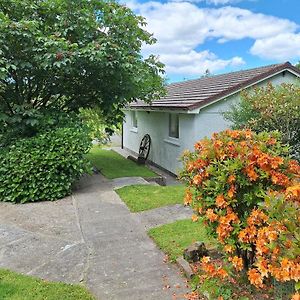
(196, 63)
(232, 23)
(183, 27)
(215, 2)
(281, 47)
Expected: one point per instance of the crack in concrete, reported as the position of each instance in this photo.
(84, 274)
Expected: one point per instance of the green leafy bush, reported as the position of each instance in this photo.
(45, 166)
(270, 108)
(100, 129)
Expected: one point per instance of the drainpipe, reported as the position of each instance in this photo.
(122, 135)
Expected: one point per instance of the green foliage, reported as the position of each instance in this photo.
(15, 286)
(287, 212)
(269, 109)
(144, 197)
(213, 288)
(45, 166)
(113, 165)
(99, 129)
(298, 65)
(66, 54)
(173, 238)
(43, 121)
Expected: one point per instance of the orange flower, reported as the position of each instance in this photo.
(237, 263)
(209, 268)
(231, 191)
(228, 248)
(211, 215)
(188, 199)
(232, 217)
(257, 218)
(293, 192)
(222, 273)
(231, 179)
(263, 160)
(248, 134)
(220, 201)
(202, 145)
(248, 234)
(218, 144)
(262, 266)
(276, 162)
(288, 244)
(223, 231)
(195, 218)
(255, 278)
(296, 296)
(276, 251)
(200, 210)
(205, 259)
(294, 167)
(251, 173)
(197, 180)
(190, 167)
(271, 141)
(234, 134)
(261, 247)
(279, 178)
(285, 264)
(295, 272)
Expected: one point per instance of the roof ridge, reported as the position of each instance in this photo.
(287, 63)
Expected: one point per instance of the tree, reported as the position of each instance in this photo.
(298, 65)
(269, 109)
(63, 55)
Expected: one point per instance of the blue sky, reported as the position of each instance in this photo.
(220, 35)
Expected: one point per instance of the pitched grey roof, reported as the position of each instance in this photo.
(191, 94)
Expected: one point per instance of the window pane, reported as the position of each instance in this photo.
(134, 119)
(174, 125)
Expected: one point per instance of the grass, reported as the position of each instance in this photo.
(113, 165)
(144, 197)
(175, 237)
(15, 286)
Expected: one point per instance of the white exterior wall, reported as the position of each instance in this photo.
(165, 151)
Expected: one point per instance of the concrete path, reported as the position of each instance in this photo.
(164, 215)
(92, 238)
(125, 181)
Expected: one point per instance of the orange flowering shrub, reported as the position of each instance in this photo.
(235, 180)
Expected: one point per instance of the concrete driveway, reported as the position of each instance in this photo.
(90, 237)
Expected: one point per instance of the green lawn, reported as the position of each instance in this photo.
(144, 197)
(175, 237)
(15, 286)
(113, 165)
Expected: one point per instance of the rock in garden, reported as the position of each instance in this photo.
(195, 252)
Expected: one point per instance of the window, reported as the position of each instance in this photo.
(134, 119)
(174, 126)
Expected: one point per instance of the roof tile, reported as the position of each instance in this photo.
(195, 93)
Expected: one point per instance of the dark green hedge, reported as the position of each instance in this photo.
(43, 167)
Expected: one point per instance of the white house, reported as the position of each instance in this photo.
(192, 110)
